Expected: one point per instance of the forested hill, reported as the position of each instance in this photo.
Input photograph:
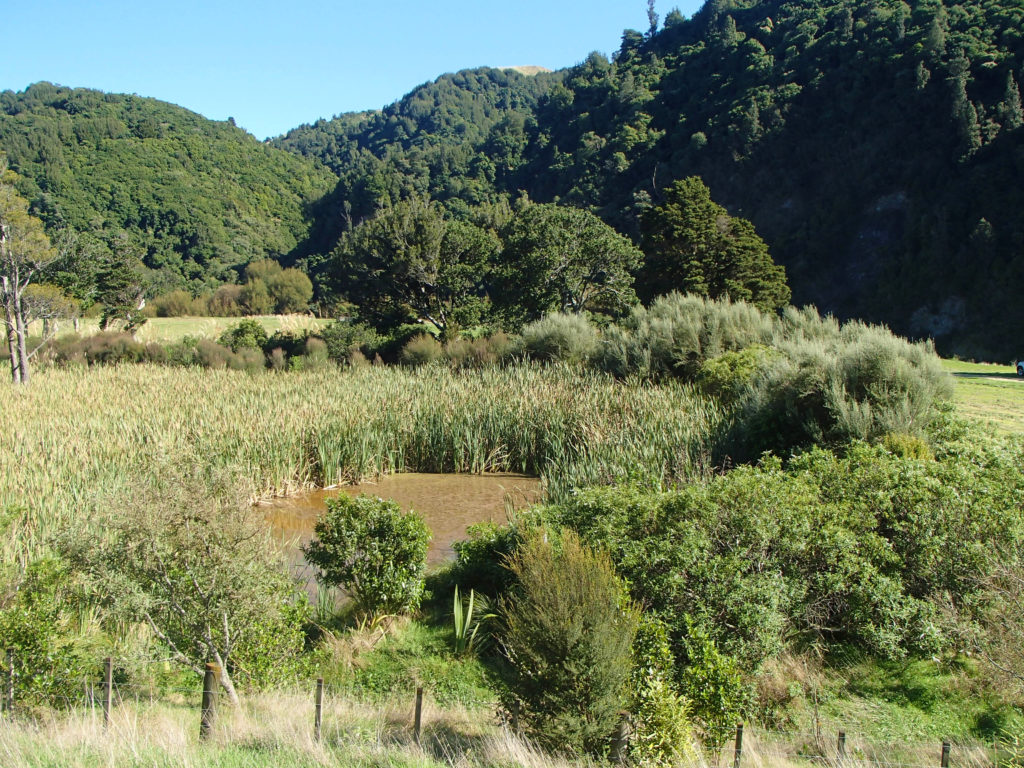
(877, 146)
(189, 196)
(449, 137)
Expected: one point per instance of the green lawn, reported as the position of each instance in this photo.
(989, 393)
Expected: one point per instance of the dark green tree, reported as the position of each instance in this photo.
(120, 291)
(693, 245)
(410, 264)
(562, 259)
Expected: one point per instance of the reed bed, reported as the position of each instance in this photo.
(78, 438)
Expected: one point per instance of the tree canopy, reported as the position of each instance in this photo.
(693, 245)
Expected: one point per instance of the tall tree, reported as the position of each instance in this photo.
(410, 264)
(25, 251)
(693, 245)
(563, 259)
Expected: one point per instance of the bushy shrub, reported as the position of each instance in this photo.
(343, 337)
(678, 333)
(246, 334)
(662, 735)
(829, 385)
(182, 352)
(568, 629)
(480, 558)
(728, 376)
(105, 348)
(569, 338)
(713, 684)
(175, 304)
(226, 301)
(374, 550)
(421, 350)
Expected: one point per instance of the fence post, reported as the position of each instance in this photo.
(418, 720)
(841, 745)
(318, 712)
(9, 693)
(620, 739)
(945, 754)
(739, 746)
(516, 706)
(211, 679)
(108, 689)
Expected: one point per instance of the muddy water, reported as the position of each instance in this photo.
(448, 504)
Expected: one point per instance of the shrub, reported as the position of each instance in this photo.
(246, 334)
(421, 350)
(560, 337)
(677, 334)
(175, 304)
(567, 637)
(343, 337)
(714, 685)
(226, 301)
(662, 735)
(374, 550)
(480, 558)
(210, 354)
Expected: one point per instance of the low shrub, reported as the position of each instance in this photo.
(421, 350)
(569, 338)
(246, 334)
(374, 550)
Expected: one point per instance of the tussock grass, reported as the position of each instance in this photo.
(78, 438)
(277, 729)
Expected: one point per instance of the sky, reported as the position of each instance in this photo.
(275, 65)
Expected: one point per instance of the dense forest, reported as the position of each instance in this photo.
(190, 198)
(876, 147)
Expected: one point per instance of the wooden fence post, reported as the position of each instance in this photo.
(946, 746)
(319, 708)
(108, 689)
(208, 715)
(739, 746)
(516, 707)
(9, 692)
(418, 720)
(841, 745)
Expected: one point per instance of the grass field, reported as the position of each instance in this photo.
(989, 393)
(174, 328)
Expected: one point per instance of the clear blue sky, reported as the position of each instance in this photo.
(275, 65)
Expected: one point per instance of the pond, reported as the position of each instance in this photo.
(449, 503)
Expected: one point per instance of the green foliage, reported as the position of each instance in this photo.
(55, 646)
(562, 259)
(410, 264)
(480, 558)
(192, 559)
(196, 198)
(568, 338)
(677, 334)
(866, 548)
(421, 350)
(567, 637)
(246, 334)
(693, 246)
(374, 550)
(662, 734)
(728, 376)
(714, 685)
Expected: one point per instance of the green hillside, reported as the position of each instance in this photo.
(876, 146)
(193, 198)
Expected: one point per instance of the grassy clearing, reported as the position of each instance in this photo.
(990, 394)
(78, 438)
(165, 329)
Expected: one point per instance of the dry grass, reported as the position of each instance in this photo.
(165, 329)
(276, 729)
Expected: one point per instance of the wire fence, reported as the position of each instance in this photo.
(752, 746)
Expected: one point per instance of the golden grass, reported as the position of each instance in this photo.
(277, 729)
(165, 329)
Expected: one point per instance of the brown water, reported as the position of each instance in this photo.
(448, 503)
